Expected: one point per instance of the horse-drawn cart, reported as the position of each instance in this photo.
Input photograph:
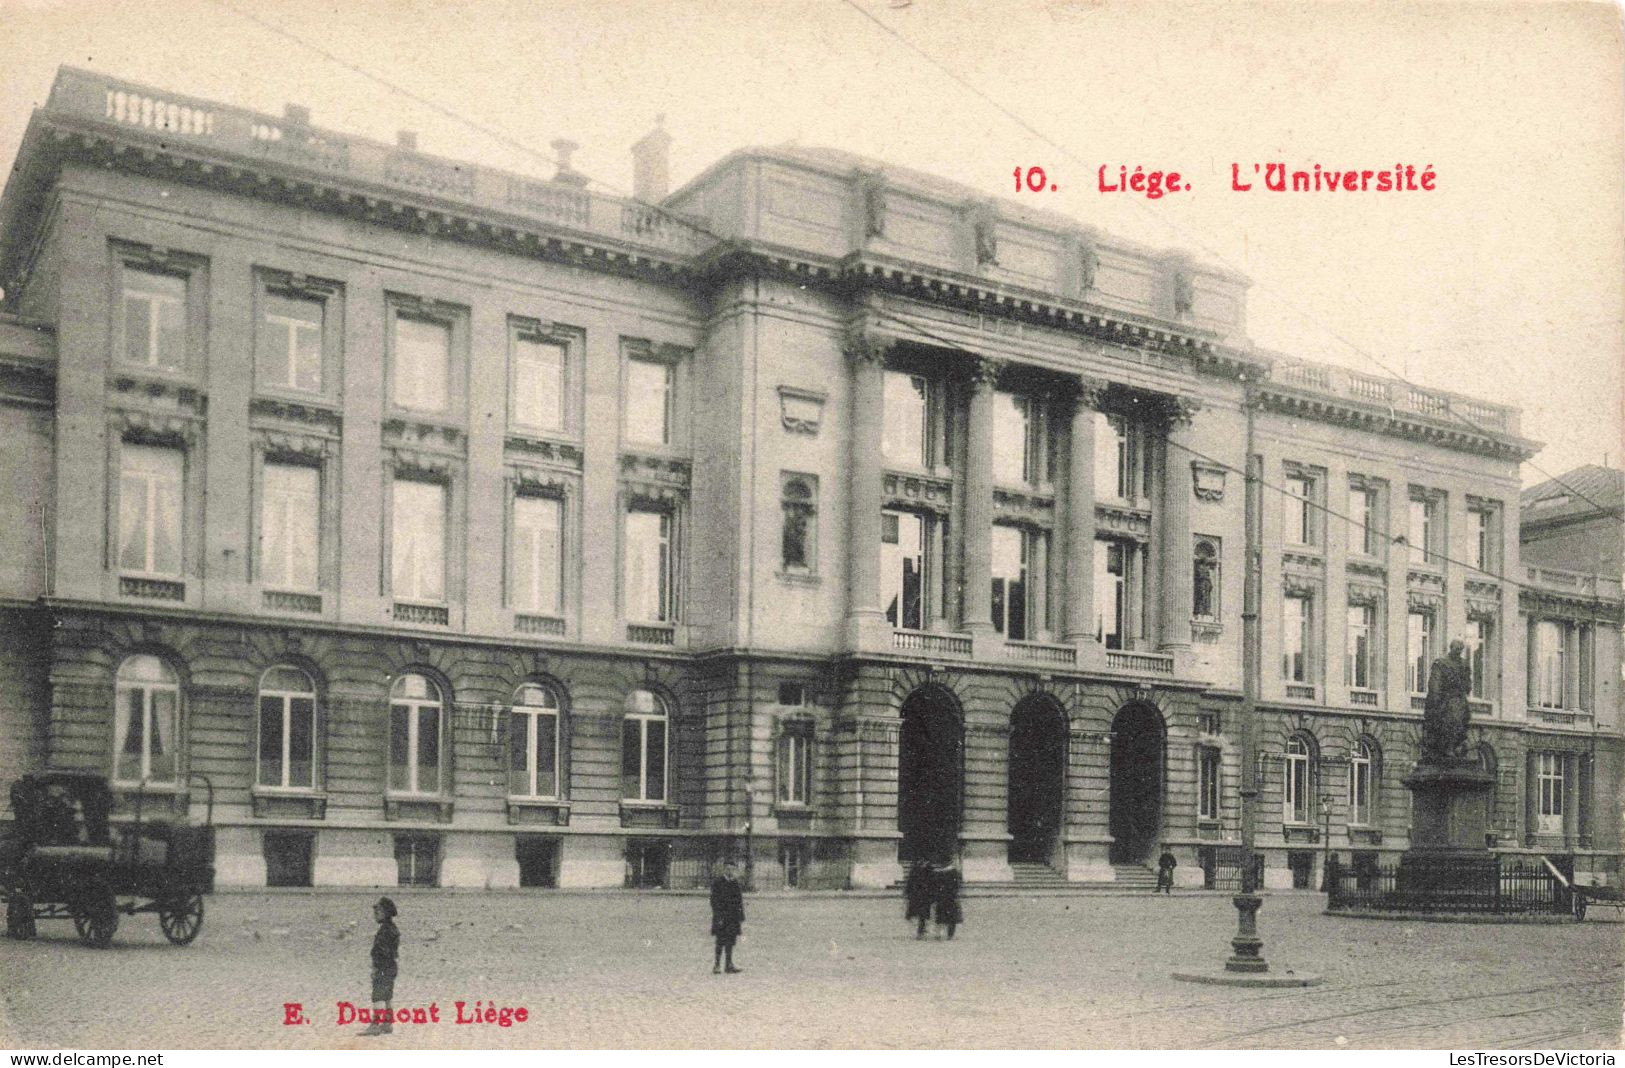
(64, 858)
(1611, 896)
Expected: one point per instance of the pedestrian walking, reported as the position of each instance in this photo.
(727, 916)
(946, 880)
(386, 952)
(917, 895)
(1165, 870)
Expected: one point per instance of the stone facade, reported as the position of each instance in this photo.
(799, 711)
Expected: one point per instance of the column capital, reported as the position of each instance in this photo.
(863, 346)
(1180, 410)
(1088, 392)
(984, 371)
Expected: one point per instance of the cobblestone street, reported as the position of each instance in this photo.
(627, 970)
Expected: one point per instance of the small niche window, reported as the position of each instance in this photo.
(798, 500)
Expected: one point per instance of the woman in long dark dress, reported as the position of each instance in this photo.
(917, 894)
(949, 915)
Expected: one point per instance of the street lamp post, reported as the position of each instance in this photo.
(1325, 841)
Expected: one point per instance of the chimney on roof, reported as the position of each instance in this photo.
(564, 148)
(407, 140)
(296, 115)
(650, 157)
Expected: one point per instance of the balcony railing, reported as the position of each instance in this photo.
(291, 140)
(926, 644)
(1394, 394)
(529, 624)
(651, 634)
(1575, 582)
(1041, 653)
(1140, 663)
(1369, 698)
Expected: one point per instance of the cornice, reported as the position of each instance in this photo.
(1286, 400)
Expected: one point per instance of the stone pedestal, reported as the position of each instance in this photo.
(1448, 862)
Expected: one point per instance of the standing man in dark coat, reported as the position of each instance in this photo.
(947, 880)
(386, 952)
(917, 893)
(1165, 870)
(727, 916)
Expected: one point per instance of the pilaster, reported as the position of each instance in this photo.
(867, 355)
(1175, 514)
(1080, 515)
(978, 568)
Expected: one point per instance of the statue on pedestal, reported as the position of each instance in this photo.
(1444, 719)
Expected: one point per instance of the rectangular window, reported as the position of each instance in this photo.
(1421, 529)
(1485, 557)
(1010, 601)
(798, 501)
(795, 768)
(1296, 785)
(290, 343)
(1361, 672)
(1549, 672)
(150, 510)
(1117, 461)
(290, 525)
(1114, 566)
(1418, 650)
(1549, 781)
(422, 364)
(287, 737)
(538, 382)
(1481, 655)
(414, 747)
(1359, 798)
(533, 753)
(1295, 622)
(643, 758)
(154, 319)
(1362, 511)
(1015, 439)
(538, 555)
(418, 557)
(650, 567)
(903, 554)
(1207, 782)
(650, 401)
(417, 860)
(905, 438)
(1300, 513)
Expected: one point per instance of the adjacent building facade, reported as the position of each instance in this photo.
(453, 527)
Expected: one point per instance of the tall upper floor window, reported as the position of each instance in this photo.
(1361, 635)
(1418, 650)
(1485, 531)
(1301, 525)
(422, 371)
(536, 580)
(533, 742)
(1115, 575)
(1296, 619)
(151, 501)
(644, 747)
(798, 540)
(904, 555)
(1560, 665)
(146, 721)
(154, 319)
(651, 397)
(290, 525)
(1119, 466)
(1481, 656)
(1299, 786)
(795, 765)
(905, 437)
(287, 750)
(539, 377)
(290, 342)
(1016, 440)
(1364, 522)
(1422, 528)
(1207, 782)
(418, 547)
(650, 584)
(416, 753)
(1011, 603)
(1549, 779)
(1362, 766)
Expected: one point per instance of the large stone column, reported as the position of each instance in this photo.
(867, 355)
(1174, 577)
(978, 483)
(1079, 625)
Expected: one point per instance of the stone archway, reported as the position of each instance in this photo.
(930, 775)
(1037, 779)
(1138, 758)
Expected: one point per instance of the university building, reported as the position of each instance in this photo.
(461, 528)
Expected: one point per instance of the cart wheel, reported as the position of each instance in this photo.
(95, 919)
(19, 916)
(182, 919)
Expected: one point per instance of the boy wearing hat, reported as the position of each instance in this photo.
(386, 951)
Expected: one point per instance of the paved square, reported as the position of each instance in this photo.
(613, 970)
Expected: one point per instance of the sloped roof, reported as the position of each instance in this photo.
(1567, 495)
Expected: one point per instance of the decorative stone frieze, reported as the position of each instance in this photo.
(562, 454)
(932, 493)
(301, 416)
(1121, 521)
(1035, 509)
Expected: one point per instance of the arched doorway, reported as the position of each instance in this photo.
(1136, 783)
(1037, 779)
(930, 772)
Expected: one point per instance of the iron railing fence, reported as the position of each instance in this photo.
(1487, 885)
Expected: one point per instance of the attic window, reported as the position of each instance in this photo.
(1553, 501)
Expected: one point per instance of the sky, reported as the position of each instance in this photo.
(1506, 282)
